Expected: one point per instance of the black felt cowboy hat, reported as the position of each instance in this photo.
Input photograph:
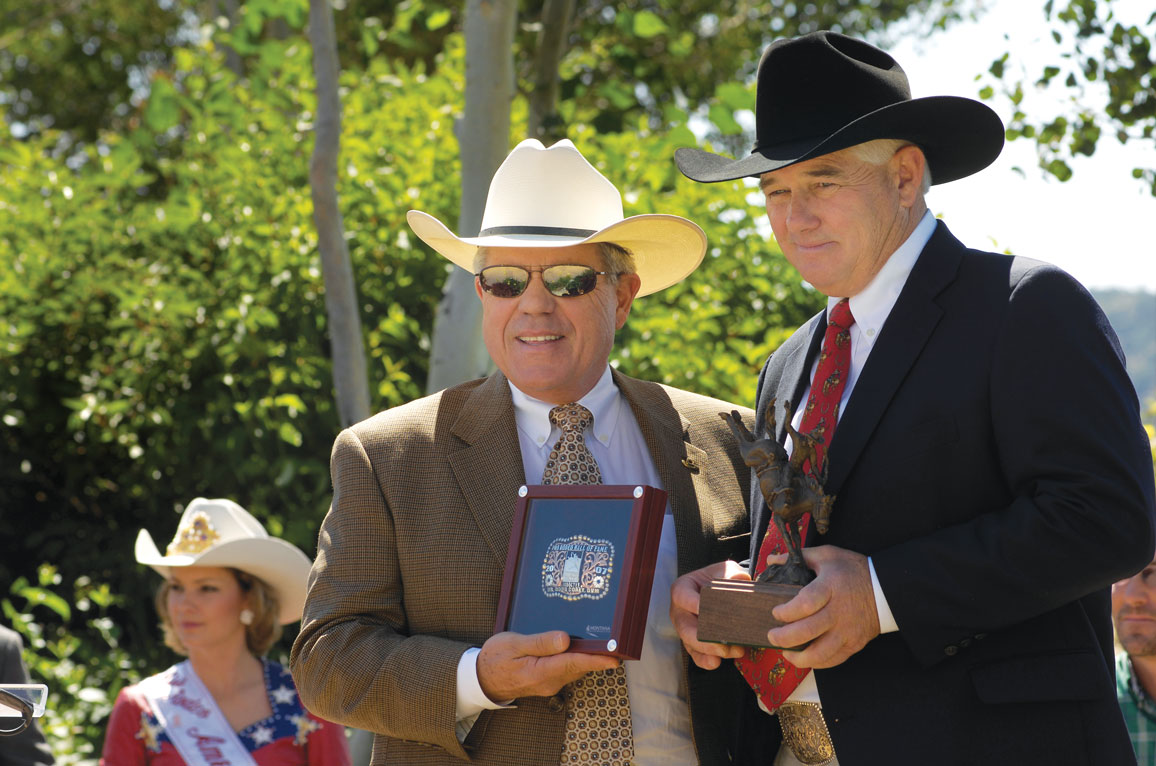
(824, 91)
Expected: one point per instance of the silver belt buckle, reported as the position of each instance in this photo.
(805, 732)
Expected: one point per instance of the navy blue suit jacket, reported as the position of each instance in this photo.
(992, 463)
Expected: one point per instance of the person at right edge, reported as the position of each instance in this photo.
(991, 475)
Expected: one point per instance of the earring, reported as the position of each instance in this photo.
(246, 616)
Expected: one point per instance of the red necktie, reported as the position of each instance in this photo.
(767, 671)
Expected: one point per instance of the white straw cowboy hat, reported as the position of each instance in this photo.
(220, 533)
(553, 197)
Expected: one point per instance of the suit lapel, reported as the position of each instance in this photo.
(661, 425)
(796, 373)
(680, 464)
(489, 469)
(906, 331)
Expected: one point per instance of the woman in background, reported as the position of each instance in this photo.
(227, 591)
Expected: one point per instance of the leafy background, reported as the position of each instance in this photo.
(162, 318)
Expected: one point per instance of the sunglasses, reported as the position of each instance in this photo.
(564, 280)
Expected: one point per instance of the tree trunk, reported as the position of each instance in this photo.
(231, 10)
(350, 381)
(544, 122)
(483, 134)
(349, 375)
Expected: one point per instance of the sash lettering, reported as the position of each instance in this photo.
(205, 738)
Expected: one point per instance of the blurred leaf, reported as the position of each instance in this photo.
(45, 597)
(162, 110)
(648, 24)
(724, 120)
(438, 19)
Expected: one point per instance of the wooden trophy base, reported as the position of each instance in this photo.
(739, 611)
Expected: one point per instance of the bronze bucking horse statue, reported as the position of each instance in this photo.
(789, 488)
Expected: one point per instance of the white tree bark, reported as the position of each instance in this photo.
(350, 380)
(349, 374)
(483, 134)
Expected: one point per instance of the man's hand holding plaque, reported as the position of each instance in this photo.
(512, 665)
(733, 611)
(685, 599)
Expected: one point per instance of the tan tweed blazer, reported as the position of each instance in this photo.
(410, 558)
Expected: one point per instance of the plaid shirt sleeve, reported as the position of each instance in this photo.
(1138, 708)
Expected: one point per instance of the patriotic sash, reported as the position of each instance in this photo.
(190, 716)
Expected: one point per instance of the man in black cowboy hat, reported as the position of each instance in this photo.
(982, 441)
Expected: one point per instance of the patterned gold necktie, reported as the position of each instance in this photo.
(598, 714)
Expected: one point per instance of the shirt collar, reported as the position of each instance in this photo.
(1143, 701)
(532, 416)
(875, 301)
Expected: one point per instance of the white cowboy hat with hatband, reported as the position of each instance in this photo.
(220, 533)
(553, 197)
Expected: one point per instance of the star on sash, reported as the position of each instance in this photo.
(148, 733)
(284, 695)
(262, 735)
(305, 726)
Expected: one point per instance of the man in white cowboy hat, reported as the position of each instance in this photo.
(982, 440)
(397, 636)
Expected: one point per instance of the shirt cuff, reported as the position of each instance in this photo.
(471, 699)
(887, 622)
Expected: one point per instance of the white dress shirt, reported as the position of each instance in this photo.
(659, 713)
(870, 307)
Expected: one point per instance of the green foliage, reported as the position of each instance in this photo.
(1149, 421)
(1105, 69)
(625, 61)
(162, 318)
(70, 66)
(72, 645)
(410, 33)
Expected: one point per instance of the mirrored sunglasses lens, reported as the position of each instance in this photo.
(569, 281)
(504, 281)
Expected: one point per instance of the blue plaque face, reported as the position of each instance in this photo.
(581, 559)
(571, 566)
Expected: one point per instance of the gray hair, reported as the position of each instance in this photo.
(616, 260)
(880, 150)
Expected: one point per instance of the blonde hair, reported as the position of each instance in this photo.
(260, 635)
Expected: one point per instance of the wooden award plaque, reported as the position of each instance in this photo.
(581, 559)
(739, 611)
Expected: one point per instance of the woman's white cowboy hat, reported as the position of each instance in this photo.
(553, 197)
(220, 533)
